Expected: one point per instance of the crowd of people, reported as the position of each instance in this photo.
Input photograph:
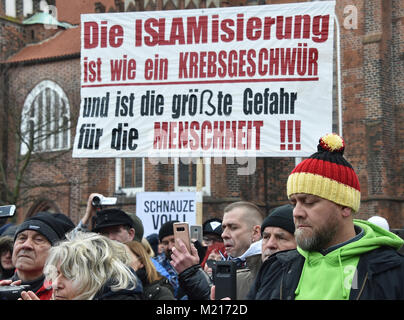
(312, 248)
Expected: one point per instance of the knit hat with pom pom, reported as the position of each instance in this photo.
(327, 174)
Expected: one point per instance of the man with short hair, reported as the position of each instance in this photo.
(337, 257)
(32, 241)
(241, 228)
(242, 240)
(241, 237)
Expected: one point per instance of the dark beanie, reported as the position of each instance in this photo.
(52, 226)
(154, 242)
(138, 226)
(66, 223)
(167, 229)
(281, 217)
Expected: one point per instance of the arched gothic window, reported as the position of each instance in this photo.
(45, 124)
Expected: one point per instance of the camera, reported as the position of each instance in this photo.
(12, 292)
(7, 211)
(99, 201)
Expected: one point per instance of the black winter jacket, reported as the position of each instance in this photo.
(157, 290)
(105, 293)
(195, 282)
(380, 275)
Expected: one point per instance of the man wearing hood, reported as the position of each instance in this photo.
(337, 257)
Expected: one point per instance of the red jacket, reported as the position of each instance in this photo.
(45, 292)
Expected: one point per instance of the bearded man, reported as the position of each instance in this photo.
(337, 257)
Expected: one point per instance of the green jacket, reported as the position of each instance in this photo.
(369, 267)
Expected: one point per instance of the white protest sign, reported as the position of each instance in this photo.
(238, 81)
(156, 208)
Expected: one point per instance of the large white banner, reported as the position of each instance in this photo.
(237, 81)
(156, 208)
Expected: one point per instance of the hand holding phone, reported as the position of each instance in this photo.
(183, 254)
(181, 231)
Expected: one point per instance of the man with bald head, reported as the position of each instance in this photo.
(241, 237)
(241, 227)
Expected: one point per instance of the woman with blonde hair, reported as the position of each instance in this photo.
(155, 286)
(147, 246)
(90, 267)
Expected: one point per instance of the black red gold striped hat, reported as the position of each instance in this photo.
(327, 174)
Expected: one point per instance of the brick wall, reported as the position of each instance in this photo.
(12, 37)
(60, 175)
(372, 60)
(372, 99)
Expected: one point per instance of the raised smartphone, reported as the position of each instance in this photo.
(196, 233)
(225, 280)
(181, 231)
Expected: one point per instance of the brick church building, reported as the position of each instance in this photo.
(40, 78)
